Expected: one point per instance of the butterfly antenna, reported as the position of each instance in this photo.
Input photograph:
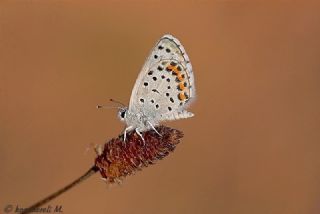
(115, 101)
(108, 107)
(104, 106)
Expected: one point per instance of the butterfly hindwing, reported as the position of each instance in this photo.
(166, 82)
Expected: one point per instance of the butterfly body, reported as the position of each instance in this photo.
(163, 89)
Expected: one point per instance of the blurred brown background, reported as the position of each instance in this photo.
(253, 146)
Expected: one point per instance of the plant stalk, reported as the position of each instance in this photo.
(49, 198)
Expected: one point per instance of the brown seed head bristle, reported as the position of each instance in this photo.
(119, 159)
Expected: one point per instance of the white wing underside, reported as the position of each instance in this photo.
(160, 93)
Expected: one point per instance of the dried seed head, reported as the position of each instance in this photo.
(118, 159)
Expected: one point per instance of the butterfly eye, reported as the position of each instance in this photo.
(123, 114)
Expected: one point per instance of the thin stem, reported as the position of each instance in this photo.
(90, 172)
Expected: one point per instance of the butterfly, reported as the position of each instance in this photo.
(163, 90)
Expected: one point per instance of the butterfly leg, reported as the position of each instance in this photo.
(140, 135)
(125, 133)
(154, 128)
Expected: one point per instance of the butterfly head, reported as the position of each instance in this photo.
(122, 113)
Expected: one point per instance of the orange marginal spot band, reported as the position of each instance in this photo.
(180, 77)
(174, 69)
(181, 96)
(181, 86)
(170, 68)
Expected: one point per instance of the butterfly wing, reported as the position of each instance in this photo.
(165, 84)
